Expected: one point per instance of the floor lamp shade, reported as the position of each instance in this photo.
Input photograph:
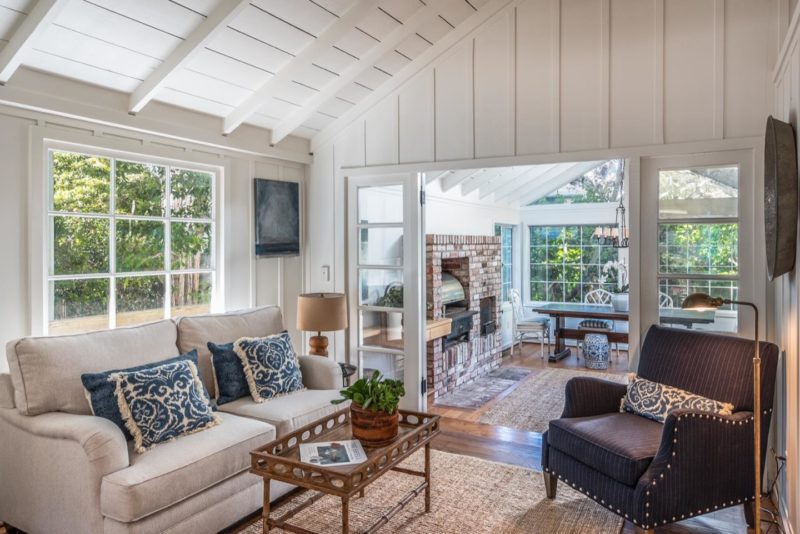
(321, 312)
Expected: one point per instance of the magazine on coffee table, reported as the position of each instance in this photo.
(333, 453)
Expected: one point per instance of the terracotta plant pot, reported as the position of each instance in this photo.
(373, 428)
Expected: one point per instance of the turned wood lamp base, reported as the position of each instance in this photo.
(318, 345)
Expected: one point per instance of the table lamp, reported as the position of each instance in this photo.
(703, 302)
(321, 312)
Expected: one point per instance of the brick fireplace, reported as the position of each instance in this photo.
(475, 262)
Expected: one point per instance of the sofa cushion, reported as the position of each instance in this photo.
(174, 471)
(102, 395)
(270, 365)
(619, 445)
(289, 412)
(46, 371)
(229, 380)
(195, 332)
(163, 403)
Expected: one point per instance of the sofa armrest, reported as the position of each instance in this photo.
(6, 391)
(320, 372)
(587, 396)
(704, 462)
(52, 466)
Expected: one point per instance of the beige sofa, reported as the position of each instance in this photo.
(63, 470)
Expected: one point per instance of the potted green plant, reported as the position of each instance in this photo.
(373, 409)
(393, 322)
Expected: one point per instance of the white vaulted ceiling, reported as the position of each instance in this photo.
(293, 66)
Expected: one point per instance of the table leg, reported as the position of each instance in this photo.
(562, 351)
(265, 509)
(345, 515)
(428, 477)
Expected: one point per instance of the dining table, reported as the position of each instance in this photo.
(560, 311)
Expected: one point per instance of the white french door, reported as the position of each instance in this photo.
(386, 280)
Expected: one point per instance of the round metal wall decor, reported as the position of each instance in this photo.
(780, 197)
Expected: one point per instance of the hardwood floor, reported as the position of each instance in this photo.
(463, 434)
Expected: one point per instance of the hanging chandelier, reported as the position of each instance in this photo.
(616, 235)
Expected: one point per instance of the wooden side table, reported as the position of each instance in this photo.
(280, 460)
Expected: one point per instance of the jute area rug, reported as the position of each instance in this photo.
(477, 393)
(470, 495)
(538, 400)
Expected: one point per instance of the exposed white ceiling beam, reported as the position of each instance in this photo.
(476, 182)
(431, 177)
(522, 173)
(501, 190)
(472, 22)
(421, 17)
(214, 23)
(455, 179)
(32, 26)
(538, 190)
(338, 29)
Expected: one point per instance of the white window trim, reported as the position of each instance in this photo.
(45, 139)
(751, 265)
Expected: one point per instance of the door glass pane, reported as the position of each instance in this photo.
(381, 287)
(380, 204)
(80, 245)
(380, 246)
(140, 246)
(78, 306)
(390, 365)
(140, 299)
(698, 192)
(382, 329)
(698, 248)
(191, 293)
(140, 188)
(80, 183)
(672, 292)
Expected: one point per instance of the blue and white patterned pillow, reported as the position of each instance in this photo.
(162, 403)
(655, 401)
(270, 365)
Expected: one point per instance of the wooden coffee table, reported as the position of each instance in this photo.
(280, 460)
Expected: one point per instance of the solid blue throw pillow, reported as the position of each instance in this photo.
(100, 390)
(229, 376)
(162, 403)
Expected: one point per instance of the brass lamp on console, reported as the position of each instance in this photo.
(321, 312)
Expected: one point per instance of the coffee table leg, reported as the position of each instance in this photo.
(428, 477)
(345, 515)
(265, 509)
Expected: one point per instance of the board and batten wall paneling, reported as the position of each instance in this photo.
(415, 113)
(453, 103)
(538, 76)
(689, 67)
(381, 133)
(494, 87)
(582, 78)
(632, 73)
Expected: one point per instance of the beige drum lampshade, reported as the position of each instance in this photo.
(321, 312)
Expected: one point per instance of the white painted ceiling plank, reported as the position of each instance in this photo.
(468, 26)
(367, 61)
(538, 172)
(431, 177)
(454, 179)
(217, 21)
(9, 20)
(509, 179)
(537, 190)
(22, 41)
(334, 32)
(474, 183)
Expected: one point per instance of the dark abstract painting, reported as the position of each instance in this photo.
(277, 218)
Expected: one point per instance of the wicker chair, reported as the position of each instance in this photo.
(652, 473)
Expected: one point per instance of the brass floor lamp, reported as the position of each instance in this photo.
(700, 302)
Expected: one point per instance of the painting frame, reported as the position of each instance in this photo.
(276, 218)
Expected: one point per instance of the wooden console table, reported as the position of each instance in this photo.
(560, 311)
(280, 460)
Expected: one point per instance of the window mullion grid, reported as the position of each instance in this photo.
(112, 248)
(168, 244)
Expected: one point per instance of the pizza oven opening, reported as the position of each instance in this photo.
(456, 308)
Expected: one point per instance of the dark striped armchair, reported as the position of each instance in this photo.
(651, 473)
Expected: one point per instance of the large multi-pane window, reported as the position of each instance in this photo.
(698, 236)
(566, 263)
(506, 234)
(129, 241)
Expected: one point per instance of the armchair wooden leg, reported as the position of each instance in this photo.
(749, 514)
(640, 530)
(550, 485)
